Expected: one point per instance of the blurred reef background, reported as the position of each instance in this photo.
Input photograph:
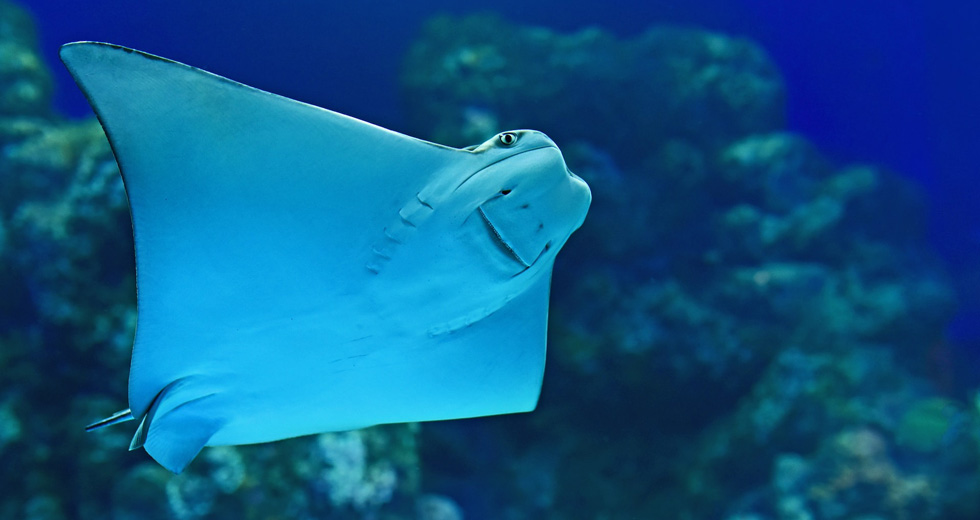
(742, 330)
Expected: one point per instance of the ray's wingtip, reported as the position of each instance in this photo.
(70, 50)
(66, 50)
(82, 42)
(91, 43)
(74, 46)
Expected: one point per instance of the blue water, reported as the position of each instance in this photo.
(868, 80)
(671, 386)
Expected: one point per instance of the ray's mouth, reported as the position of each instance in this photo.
(499, 240)
(505, 247)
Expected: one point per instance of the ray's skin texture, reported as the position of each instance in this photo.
(301, 271)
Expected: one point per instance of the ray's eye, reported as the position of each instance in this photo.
(507, 138)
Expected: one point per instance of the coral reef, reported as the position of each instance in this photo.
(737, 307)
(743, 329)
(464, 74)
(25, 83)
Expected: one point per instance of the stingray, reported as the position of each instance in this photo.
(300, 271)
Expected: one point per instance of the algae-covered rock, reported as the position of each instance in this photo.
(859, 473)
(622, 95)
(874, 463)
(928, 424)
(25, 83)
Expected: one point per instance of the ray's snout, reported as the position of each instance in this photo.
(539, 206)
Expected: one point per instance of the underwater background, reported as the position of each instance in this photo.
(771, 312)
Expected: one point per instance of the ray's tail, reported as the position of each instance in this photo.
(119, 417)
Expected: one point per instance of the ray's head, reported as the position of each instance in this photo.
(525, 197)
